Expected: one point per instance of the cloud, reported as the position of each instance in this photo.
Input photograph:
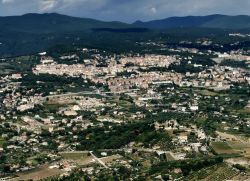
(153, 10)
(47, 5)
(7, 1)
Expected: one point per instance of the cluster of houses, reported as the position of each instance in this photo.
(28, 131)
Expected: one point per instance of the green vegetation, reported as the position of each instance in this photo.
(2, 141)
(120, 136)
(222, 148)
(186, 166)
(73, 156)
(215, 172)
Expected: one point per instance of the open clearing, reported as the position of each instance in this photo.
(223, 148)
(232, 144)
(38, 174)
(110, 158)
(74, 155)
(80, 158)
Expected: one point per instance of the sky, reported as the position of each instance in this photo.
(126, 10)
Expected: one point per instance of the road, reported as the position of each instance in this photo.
(98, 160)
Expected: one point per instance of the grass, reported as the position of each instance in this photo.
(243, 112)
(2, 141)
(169, 157)
(80, 158)
(223, 148)
(74, 156)
(243, 148)
(39, 173)
(124, 104)
(236, 144)
(52, 107)
(206, 92)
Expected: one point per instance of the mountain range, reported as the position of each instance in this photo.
(211, 21)
(30, 33)
(53, 22)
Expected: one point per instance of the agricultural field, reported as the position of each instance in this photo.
(223, 148)
(80, 158)
(232, 144)
(38, 174)
(242, 147)
(215, 173)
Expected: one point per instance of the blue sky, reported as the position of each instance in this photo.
(126, 10)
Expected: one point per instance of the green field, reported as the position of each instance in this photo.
(79, 158)
(1, 141)
(40, 173)
(206, 92)
(73, 156)
(223, 148)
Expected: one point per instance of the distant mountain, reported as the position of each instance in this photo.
(31, 33)
(53, 23)
(211, 21)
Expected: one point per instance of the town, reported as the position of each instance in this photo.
(93, 114)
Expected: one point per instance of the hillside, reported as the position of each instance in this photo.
(53, 23)
(211, 21)
(31, 33)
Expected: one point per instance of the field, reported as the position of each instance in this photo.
(1, 142)
(234, 144)
(206, 92)
(242, 147)
(243, 112)
(223, 148)
(169, 157)
(219, 172)
(80, 158)
(110, 158)
(74, 155)
(38, 174)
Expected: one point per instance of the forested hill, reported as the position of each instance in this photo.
(31, 33)
(211, 21)
(53, 23)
